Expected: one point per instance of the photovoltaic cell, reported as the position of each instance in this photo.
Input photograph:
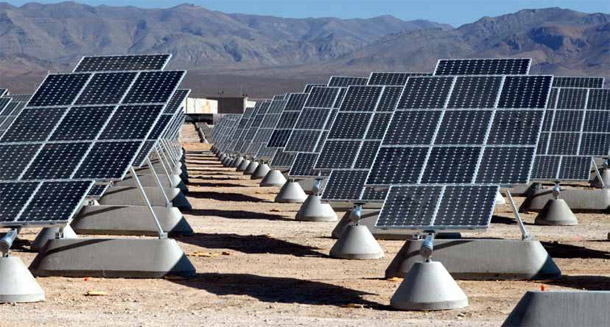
(482, 67)
(399, 79)
(423, 92)
(122, 63)
(344, 185)
(14, 158)
(303, 165)
(82, 123)
(106, 88)
(34, 125)
(131, 122)
(581, 82)
(153, 87)
(345, 81)
(58, 90)
(56, 161)
(108, 160)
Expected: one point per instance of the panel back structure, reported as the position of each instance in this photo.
(576, 129)
(452, 142)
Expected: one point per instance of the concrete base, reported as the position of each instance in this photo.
(274, 178)
(481, 259)
(561, 309)
(356, 243)
(129, 220)
(308, 184)
(291, 192)
(50, 233)
(605, 177)
(243, 165)
(131, 196)
(261, 171)
(251, 168)
(237, 162)
(368, 219)
(500, 199)
(150, 181)
(557, 213)
(314, 210)
(577, 200)
(17, 285)
(428, 286)
(115, 258)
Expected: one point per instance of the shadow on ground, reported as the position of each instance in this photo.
(212, 184)
(251, 244)
(583, 282)
(279, 289)
(236, 214)
(567, 251)
(219, 196)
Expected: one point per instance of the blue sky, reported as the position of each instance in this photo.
(454, 12)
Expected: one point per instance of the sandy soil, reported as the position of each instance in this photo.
(261, 267)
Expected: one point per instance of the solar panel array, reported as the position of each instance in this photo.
(576, 128)
(452, 141)
(392, 78)
(77, 128)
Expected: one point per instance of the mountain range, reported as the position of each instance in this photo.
(264, 55)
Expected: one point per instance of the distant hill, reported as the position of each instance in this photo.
(263, 55)
(559, 41)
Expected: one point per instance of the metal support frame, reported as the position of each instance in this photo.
(598, 174)
(163, 164)
(154, 173)
(7, 241)
(162, 234)
(427, 247)
(525, 235)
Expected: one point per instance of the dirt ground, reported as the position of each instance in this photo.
(257, 266)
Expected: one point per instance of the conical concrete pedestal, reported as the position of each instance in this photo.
(261, 171)
(17, 283)
(274, 178)
(49, 233)
(428, 286)
(291, 192)
(500, 199)
(235, 163)
(251, 168)
(314, 210)
(356, 242)
(556, 212)
(243, 165)
(605, 173)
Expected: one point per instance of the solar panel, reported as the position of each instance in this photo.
(72, 139)
(309, 87)
(389, 79)
(515, 66)
(577, 128)
(345, 81)
(123, 63)
(581, 82)
(303, 165)
(452, 141)
(106, 88)
(58, 90)
(154, 87)
(3, 92)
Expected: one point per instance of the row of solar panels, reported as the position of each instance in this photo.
(435, 140)
(85, 127)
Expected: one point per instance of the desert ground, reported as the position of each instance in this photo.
(257, 266)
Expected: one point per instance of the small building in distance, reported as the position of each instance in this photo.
(205, 109)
